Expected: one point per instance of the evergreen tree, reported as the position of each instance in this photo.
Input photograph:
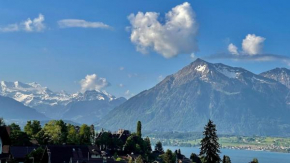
(209, 144)
(139, 128)
(93, 134)
(158, 147)
(148, 145)
(226, 159)
(169, 157)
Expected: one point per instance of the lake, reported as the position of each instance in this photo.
(240, 156)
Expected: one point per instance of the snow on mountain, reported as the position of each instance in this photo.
(281, 75)
(34, 95)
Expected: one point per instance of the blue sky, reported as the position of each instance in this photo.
(99, 42)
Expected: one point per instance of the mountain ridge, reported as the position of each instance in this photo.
(236, 99)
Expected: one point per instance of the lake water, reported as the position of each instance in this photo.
(240, 156)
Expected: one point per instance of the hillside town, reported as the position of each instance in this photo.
(58, 142)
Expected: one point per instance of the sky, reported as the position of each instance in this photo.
(125, 47)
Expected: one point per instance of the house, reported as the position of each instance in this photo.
(74, 154)
(18, 153)
(4, 143)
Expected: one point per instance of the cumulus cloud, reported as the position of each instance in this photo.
(233, 49)
(253, 44)
(93, 82)
(35, 25)
(177, 35)
(69, 23)
(121, 68)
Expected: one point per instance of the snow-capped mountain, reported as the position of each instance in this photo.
(33, 94)
(237, 100)
(281, 75)
(55, 104)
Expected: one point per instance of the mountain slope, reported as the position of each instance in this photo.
(281, 75)
(11, 109)
(89, 109)
(238, 101)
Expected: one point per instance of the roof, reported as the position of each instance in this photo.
(21, 151)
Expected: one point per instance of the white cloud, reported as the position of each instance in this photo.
(253, 44)
(69, 23)
(35, 25)
(192, 55)
(160, 78)
(128, 94)
(122, 68)
(93, 82)
(10, 28)
(121, 85)
(233, 49)
(176, 36)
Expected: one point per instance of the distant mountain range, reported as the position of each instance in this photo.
(87, 107)
(237, 100)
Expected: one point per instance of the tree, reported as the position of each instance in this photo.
(139, 128)
(2, 123)
(158, 147)
(93, 134)
(226, 159)
(139, 159)
(169, 157)
(255, 160)
(147, 145)
(36, 154)
(194, 158)
(209, 144)
(32, 128)
(85, 134)
(18, 137)
(63, 131)
(72, 136)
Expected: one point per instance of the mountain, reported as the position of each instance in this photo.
(237, 100)
(91, 106)
(86, 107)
(281, 75)
(11, 109)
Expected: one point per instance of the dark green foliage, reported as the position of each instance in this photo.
(85, 134)
(18, 137)
(32, 128)
(226, 159)
(255, 160)
(36, 154)
(148, 144)
(139, 129)
(139, 159)
(194, 158)
(63, 131)
(158, 147)
(169, 157)
(2, 123)
(209, 144)
(135, 144)
(72, 135)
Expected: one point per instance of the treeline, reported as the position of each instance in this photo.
(54, 132)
